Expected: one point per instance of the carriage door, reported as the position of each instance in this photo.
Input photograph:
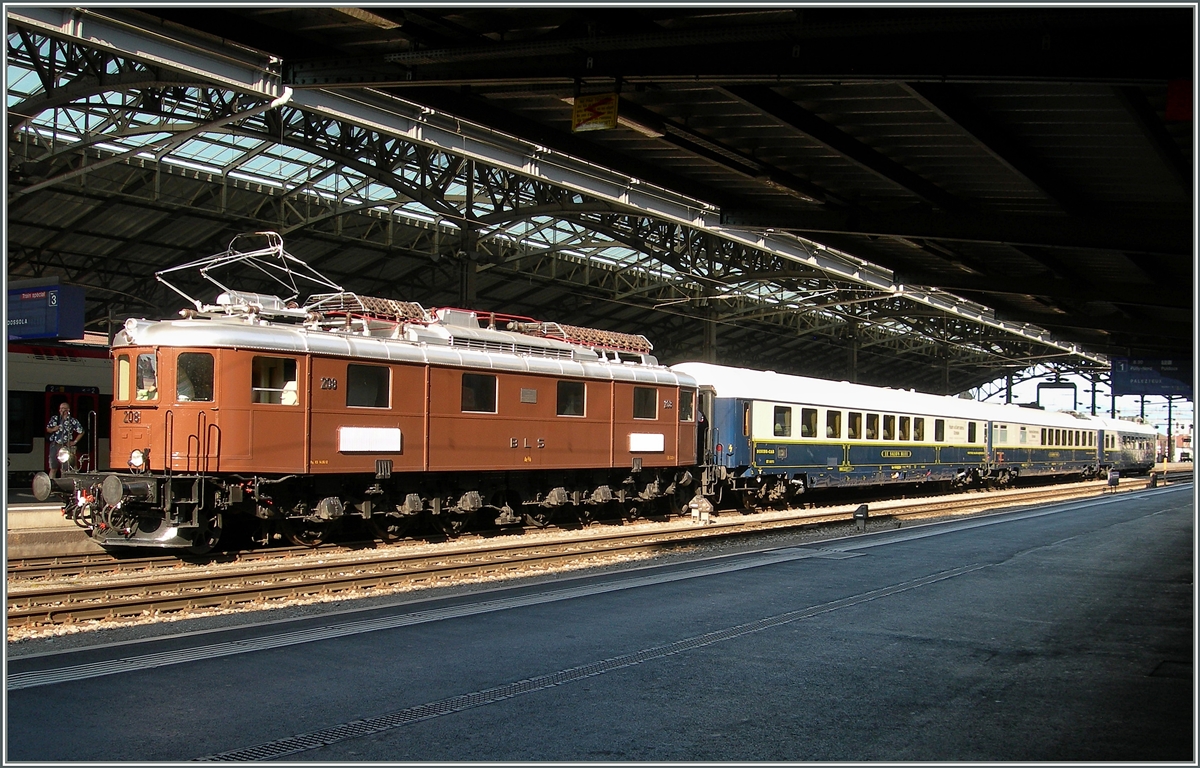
(191, 422)
(83, 402)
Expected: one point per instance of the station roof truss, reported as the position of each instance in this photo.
(122, 164)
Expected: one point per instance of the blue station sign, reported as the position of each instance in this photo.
(45, 312)
(1146, 376)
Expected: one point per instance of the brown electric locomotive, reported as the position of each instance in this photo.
(351, 406)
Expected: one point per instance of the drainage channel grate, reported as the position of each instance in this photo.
(359, 728)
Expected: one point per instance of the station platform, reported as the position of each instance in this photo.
(38, 529)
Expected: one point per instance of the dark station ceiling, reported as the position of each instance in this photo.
(1035, 162)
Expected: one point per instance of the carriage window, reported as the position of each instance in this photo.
(645, 403)
(273, 380)
(872, 426)
(1001, 433)
(25, 419)
(939, 430)
(1043, 435)
(147, 377)
(970, 431)
(570, 398)
(369, 386)
(194, 377)
(1023, 436)
(687, 398)
(854, 426)
(918, 428)
(889, 427)
(808, 422)
(123, 377)
(479, 393)
(783, 421)
(904, 421)
(833, 424)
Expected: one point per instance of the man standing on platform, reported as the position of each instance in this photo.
(64, 431)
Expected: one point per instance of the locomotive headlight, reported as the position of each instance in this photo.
(137, 459)
(64, 455)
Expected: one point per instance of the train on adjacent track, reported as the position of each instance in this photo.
(299, 418)
(42, 374)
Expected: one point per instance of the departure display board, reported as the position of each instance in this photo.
(45, 312)
(1146, 376)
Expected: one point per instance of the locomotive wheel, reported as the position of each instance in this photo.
(391, 527)
(307, 533)
(451, 525)
(540, 518)
(208, 535)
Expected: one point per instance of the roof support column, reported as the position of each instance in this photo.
(708, 349)
(852, 354)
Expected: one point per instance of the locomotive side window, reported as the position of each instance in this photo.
(273, 381)
(854, 426)
(833, 424)
(194, 377)
(872, 426)
(687, 399)
(939, 430)
(478, 392)
(122, 388)
(645, 403)
(918, 428)
(369, 386)
(570, 398)
(147, 377)
(783, 421)
(808, 422)
(889, 427)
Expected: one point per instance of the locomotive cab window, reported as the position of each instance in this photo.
(370, 386)
(147, 377)
(570, 398)
(645, 403)
(854, 426)
(194, 377)
(274, 381)
(478, 393)
(687, 410)
(783, 421)
(122, 388)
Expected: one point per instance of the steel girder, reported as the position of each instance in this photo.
(95, 124)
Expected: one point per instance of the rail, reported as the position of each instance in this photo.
(332, 573)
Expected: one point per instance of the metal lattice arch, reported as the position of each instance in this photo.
(152, 160)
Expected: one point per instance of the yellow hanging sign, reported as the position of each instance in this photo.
(597, 112)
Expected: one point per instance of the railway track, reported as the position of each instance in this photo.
(150, 586)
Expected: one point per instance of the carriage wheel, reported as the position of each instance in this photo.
(391, 527)
(208, 535)
(306, 533)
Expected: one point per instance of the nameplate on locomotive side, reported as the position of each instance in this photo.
(369, 439)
